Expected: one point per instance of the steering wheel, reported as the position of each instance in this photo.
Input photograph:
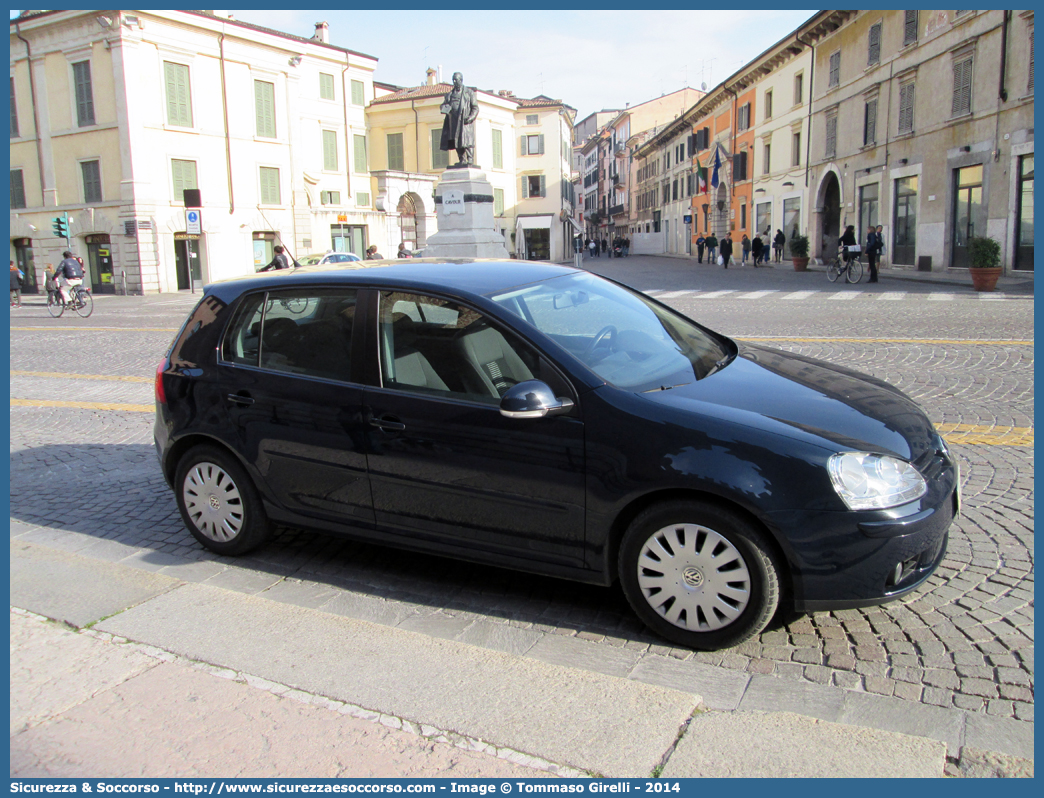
(607, 332)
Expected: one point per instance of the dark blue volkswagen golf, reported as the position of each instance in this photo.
(541, 418)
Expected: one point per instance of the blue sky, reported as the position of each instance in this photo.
(590, 59)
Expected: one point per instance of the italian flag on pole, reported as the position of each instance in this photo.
(701, 178)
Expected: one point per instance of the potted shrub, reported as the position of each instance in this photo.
(984, 253)
(799, 252)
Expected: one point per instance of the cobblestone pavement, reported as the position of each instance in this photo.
(965, 640)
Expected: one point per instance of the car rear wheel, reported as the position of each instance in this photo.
(699, 575)
(219, 503)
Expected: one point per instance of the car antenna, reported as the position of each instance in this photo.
(293, 257)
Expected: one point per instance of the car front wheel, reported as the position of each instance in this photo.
(699, 575)
(219, 503)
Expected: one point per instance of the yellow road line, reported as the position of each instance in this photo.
(83, 405)
(965, 342)
(106, 377)
(982, 435)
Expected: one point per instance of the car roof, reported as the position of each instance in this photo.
(474, 276)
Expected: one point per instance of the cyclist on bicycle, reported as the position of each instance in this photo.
(848, 239)
(69, 274)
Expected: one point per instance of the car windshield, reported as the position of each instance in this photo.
(622, 336)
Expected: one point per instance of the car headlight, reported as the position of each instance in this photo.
(874, 481)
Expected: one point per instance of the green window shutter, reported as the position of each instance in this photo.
(439, 157)
(330, 150)
(360, 154)
(184, 174)
(395, 158)
(91, 181)
(522, 145)
(543, 183)
(540, 144)
(269, 186)
(525, 188)
(326, 86)
(264, 107)
(358, 93)
(18, 189)
(362, 198)
(84, 93)
(498, 149)
(179, 103)
(498, 202)
(14, 108)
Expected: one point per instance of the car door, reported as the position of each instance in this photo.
(286, 371)
(444, 464)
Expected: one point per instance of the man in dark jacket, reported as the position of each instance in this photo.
(70, 274)
(726, 249)
(872, 244)
(756, 248)
(701, 242)
(279, 260)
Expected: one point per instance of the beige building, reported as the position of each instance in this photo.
(544, 223)
(116, 113)
(405, 134)
(923, 123)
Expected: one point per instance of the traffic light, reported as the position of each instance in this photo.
(61, 226)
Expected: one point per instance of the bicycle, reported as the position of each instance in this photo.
(81, 301)
(294, 304)
(852, 268)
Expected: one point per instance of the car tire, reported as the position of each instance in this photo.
(699, 575)
(219, 503)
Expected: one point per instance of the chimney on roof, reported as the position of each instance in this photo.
(322, 32)
(431, 76)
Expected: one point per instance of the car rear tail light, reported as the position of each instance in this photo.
(161, 395)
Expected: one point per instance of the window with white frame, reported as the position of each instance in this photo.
(269, 182)
(533, 145)
(534, 186)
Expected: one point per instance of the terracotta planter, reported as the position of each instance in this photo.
(985, 279)
(800, 264)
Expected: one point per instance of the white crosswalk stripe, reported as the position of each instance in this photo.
(671, 294)
(934, 297)
(756, 294)
(800, 295)
(847, 295)
(892, 295)
(713, 294)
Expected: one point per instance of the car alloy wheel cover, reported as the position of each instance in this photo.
(213, 502)
(695, 578)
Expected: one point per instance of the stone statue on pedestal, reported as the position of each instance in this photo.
(458, 128)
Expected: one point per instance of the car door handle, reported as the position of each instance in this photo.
(387, 423)
(240, 399)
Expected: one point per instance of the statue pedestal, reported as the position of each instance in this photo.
(464, 210)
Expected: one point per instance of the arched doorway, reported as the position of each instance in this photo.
(407, 210)
(830, 215)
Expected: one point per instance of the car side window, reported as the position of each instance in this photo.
(305, 331)
(436, 346)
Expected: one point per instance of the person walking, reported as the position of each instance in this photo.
(745, 246)
(712, 247)
(726, 249)
(49, 283)
(16, 286)
(701, 242)
(627, 247)
(605, 247)
(593, 246)
(756, 249)
(871, 252)
(880, 246)
(777, 245)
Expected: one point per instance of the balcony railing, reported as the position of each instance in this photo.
(616, 210)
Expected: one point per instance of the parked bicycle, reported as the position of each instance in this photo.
(80, 301)
(851, 266)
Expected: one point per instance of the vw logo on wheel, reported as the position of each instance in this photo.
(692, 576)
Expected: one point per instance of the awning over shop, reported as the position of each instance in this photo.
(577, 229)
(534, 222)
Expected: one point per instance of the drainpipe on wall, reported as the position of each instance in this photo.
(36, 117)
(224, 110)
(416, 134)
(1003, 92)
(735, 99)
(811, 85)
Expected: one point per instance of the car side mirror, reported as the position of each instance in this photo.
(533, 399)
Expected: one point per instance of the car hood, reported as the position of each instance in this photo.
(801, 397)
